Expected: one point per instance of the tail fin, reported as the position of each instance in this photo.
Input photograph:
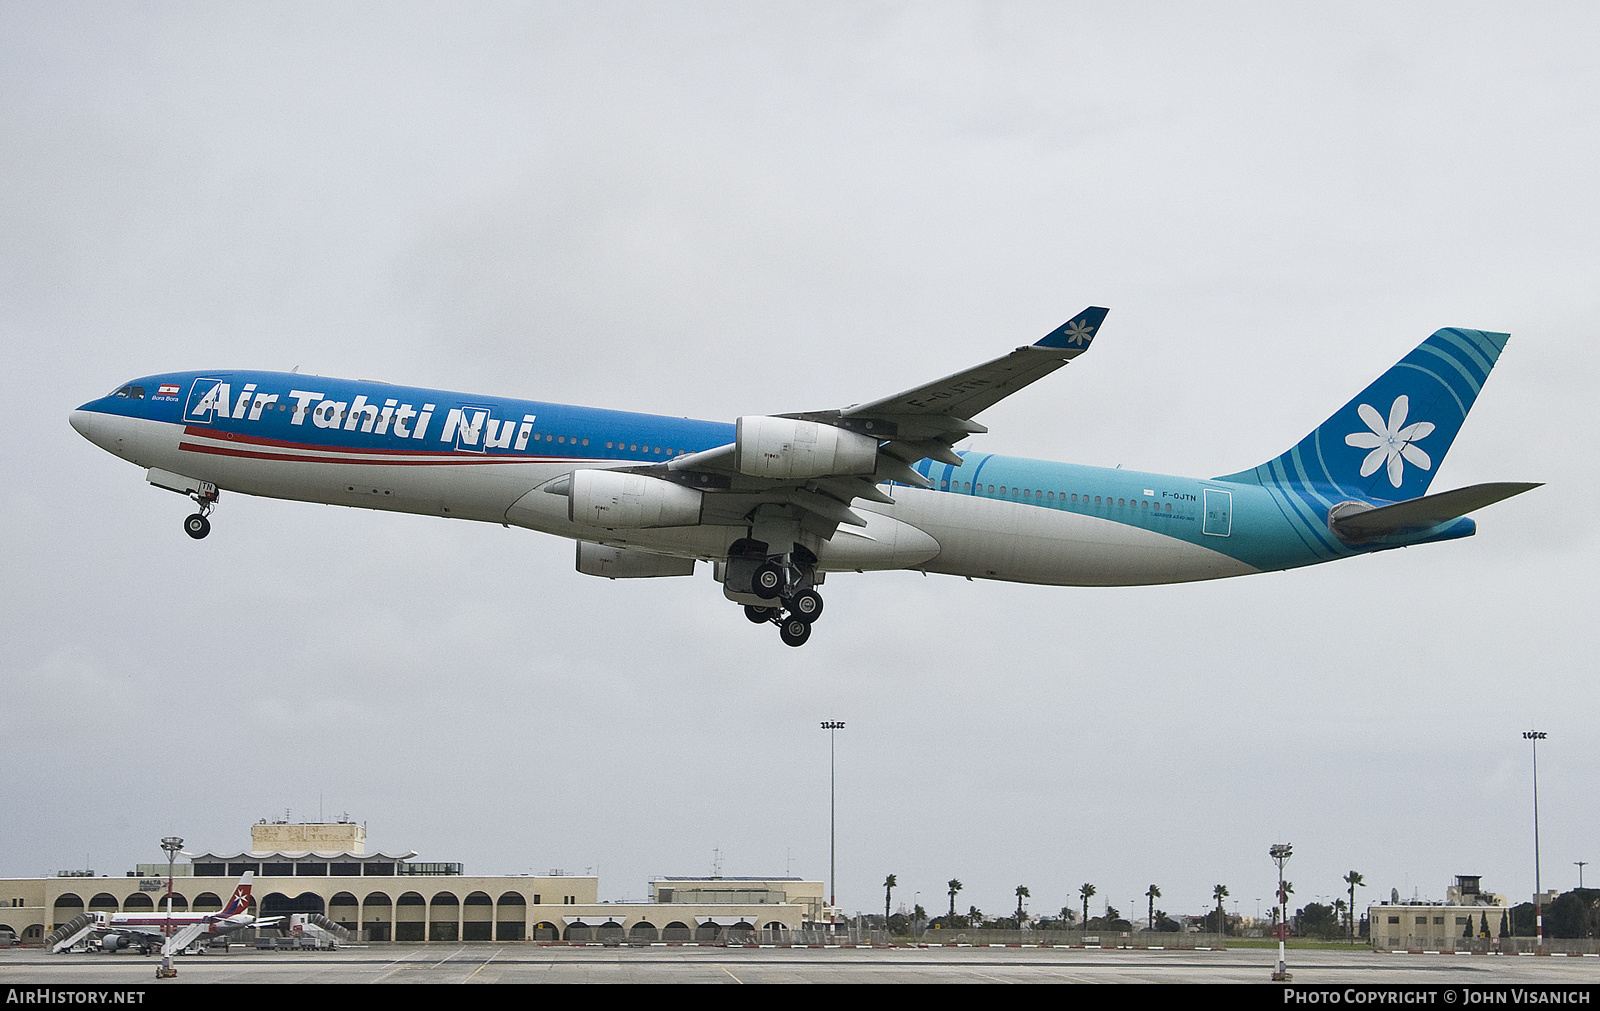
(240, 902)
(1387, 442)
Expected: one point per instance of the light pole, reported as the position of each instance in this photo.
(1580, 864)
(1535, 736)
(830, 726)
(166, 970)
(1280, 853)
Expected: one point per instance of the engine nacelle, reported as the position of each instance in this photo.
(605, 498)
(786, 449)
(111, 942)
(629, 563)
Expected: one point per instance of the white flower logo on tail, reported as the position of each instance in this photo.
(1079, 332)
(1391, 443)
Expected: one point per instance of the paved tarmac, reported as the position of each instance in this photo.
(522, 963)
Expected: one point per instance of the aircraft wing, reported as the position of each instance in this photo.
(961, 397)
(924, 422)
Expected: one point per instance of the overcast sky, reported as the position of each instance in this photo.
(719, 209)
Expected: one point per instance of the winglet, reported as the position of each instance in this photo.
(1076, 332)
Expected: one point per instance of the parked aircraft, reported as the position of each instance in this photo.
(775, 503)
(169, 931)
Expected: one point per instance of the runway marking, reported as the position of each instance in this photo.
(736, 979)
(396, 968)
(480, 968)
(448, 957)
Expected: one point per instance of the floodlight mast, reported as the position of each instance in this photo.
(172, 845)
(1280, 853)
(1534, 737)
(830, 726)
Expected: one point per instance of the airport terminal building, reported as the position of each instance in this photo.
(324, 867)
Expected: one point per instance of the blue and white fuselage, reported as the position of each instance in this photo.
(761, 492)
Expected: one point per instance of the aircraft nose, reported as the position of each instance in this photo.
(89, 424)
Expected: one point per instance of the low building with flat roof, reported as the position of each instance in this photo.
(742, 891)
(1466, 915)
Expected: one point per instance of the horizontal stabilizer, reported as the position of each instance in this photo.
(1424, 512)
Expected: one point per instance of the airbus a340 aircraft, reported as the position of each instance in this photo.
(777, 502)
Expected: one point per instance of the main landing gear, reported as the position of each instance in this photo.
(793, 619)
(196, 525)
(788, 582)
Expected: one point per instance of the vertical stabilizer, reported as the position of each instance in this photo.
(1387, 443)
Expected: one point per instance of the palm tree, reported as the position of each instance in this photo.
(975, 916)
(889, 884)
(1086, 891)
(1219, 893)
(955, 886)
(1353, 879)
(1153, 894)
(1022, 893)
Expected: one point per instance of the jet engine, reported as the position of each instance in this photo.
(111, 942)
(787, 449)
(605, 498)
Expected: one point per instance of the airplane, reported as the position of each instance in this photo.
(777, 502)
(147, 931)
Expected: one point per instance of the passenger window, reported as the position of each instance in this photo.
(1026, 493)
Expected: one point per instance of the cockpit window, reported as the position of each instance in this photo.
(126, 391)
(130, 393)
(138, 392)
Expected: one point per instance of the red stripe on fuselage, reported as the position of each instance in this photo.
(375, 460)
(256, 440)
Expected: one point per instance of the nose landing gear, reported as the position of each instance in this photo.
(196, 525)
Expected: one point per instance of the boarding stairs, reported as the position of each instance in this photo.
(71, 932)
